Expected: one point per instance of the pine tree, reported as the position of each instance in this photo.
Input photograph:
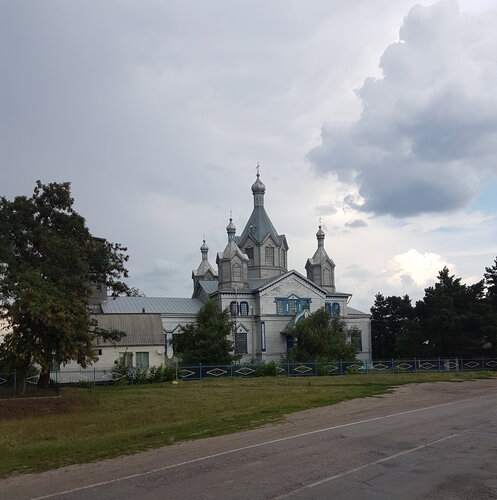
(391, 319)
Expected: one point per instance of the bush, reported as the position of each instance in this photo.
(269, 370)
(322, 370)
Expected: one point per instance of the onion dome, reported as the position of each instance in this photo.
(258, 186)
(320, 235)
(231, 230)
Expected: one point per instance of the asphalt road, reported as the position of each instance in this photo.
(424, 441)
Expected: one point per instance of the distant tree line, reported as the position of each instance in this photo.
(452, 319)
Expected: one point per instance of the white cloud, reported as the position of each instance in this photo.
(414, 266)
(427, 134)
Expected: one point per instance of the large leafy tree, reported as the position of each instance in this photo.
(454, 319)
(207, 340)
(49, 263)
(322, 337)
(391, 318)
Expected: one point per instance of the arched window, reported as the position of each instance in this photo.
(241, 342)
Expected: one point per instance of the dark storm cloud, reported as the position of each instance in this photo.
(427, 134)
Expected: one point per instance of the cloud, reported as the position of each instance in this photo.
(413, 267)
(325, 209)
(427, 134)
(356, 223)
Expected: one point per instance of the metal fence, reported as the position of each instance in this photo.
(100, 376)
(340, 368)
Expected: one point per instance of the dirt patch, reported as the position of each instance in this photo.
(45, 403)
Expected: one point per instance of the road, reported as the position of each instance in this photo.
(423, 441)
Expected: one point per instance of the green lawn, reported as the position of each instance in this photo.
(103, 422)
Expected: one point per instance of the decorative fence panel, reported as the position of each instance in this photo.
(101, 376)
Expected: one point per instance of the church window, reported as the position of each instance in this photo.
(244, 308)
(283, 259)
(292, 306)
(269, 256)
(240, 342)
(237, 272)
(333, 309)
(250, 253)
(233, 308)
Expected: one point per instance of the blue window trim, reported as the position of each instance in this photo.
(333, 308)
(240, 308)
(299, 306)
(237, 307)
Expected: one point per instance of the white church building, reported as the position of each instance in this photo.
(252, 280)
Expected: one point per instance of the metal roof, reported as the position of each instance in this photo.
(209, 286)
(161, 305)
(352, 312)
(139, 329)
(259, 226)
(257, 283)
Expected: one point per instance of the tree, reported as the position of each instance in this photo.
(454, 319)
(391, 318)
(491, 285)
(321, 337)
(49, 262)
(207, 340)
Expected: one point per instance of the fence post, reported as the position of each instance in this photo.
(439, 370)
(288, 368)
(341, 367)
(483, 363)
(393, 366)
(94, 377)
(200, 371)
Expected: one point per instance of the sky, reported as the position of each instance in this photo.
(378, 118)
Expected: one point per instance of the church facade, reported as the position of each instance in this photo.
(251, 279)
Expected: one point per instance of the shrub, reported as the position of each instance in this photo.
(269, 370)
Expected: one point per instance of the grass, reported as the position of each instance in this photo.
(103, 422)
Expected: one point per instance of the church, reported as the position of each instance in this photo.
(251, 279)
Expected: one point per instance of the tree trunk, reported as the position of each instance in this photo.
(22, 377)
(21, 380)
(44, 379)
